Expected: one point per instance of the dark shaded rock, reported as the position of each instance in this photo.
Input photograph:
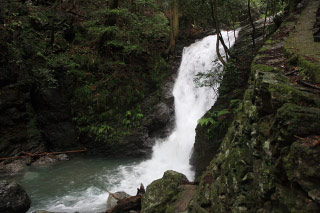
(13, 198)
(159, 119)
(162, 113)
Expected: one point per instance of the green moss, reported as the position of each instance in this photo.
(262, 68)
(162, 193)
(263, 49)
(271, 41)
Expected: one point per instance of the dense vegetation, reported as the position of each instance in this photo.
(105, 57)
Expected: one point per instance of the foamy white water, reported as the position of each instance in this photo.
(191, 103)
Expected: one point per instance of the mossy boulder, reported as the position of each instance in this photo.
(162, 194)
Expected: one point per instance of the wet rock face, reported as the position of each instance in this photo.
(13, 198)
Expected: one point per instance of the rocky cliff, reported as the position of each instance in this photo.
(269, 159)
(266, 157)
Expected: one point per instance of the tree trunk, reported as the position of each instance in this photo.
(213, 5)
(232, 17)
(252, 24)
(174, 24)
(265, 20)
(292, 5)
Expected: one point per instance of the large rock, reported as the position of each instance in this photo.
(13, 198)
(210, 136)
(161, 195)
(269, 158)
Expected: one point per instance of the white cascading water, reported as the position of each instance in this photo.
(191, 103)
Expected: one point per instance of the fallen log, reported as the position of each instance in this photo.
(39, 154)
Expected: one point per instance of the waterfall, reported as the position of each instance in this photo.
(191, 103)
(80, 185)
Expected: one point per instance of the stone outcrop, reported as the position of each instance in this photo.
(13, 198)
(209, 137)
(269, 159)
(171, 193)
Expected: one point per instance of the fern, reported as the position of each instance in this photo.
(206, 121)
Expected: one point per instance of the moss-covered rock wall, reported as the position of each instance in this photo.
(269, 159)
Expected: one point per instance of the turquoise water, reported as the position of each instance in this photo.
(80, 184)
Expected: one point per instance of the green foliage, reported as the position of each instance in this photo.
(206, 121)
(83, 95)
(132, 120)
(160, 72)
(213, 117)
(212, 78)
(44, 78)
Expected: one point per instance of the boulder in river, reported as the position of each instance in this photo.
(13, 198)
(162, 194)
(49, 159)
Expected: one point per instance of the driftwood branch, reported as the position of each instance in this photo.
(113, 195)
(39, 154)
(291, 73)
